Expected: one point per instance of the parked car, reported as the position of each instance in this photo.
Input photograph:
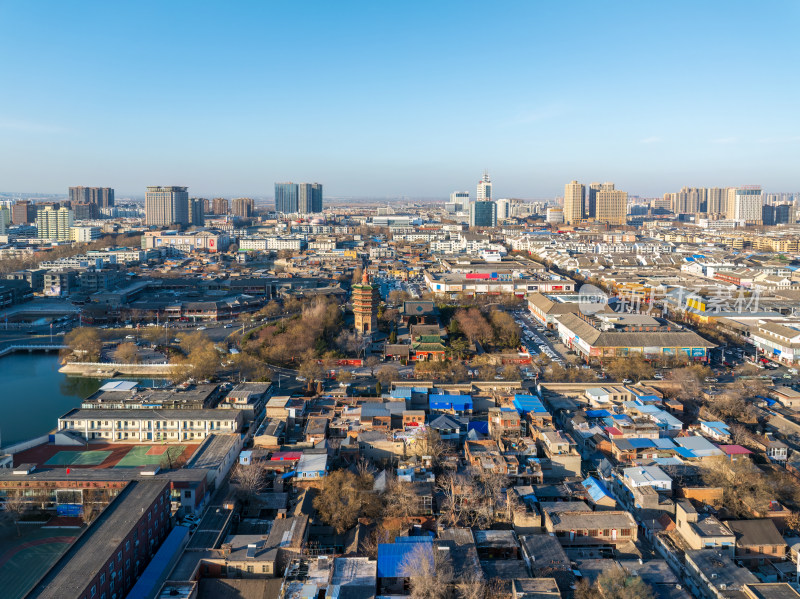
(627, 381)
(710, 379)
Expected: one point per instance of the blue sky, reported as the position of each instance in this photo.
(408, 98)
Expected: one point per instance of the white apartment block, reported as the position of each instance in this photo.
(148, 425)
(272, 242)
(84, 234)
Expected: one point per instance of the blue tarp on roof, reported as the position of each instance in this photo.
(450, 402)
(479, 427)
(596, 489)
(157, 570)
(597, 413)
(685, 453)
(392, 557)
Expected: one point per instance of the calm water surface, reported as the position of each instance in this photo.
(33, 394)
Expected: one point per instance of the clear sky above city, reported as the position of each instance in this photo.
(406, 98)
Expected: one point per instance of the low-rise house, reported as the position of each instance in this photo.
(585, 527)
(448, 427)
(715, 573)
(504, 422)
(546, 558)
(719, 431)
(757, 540)
(647, 476)
(496, 544)
(312, 466)
(702, 531)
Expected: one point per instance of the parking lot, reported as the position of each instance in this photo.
(538, 340)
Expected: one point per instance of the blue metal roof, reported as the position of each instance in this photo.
(157, 570)
(528, 403)
(685, 453)
(478, 426)
(392, 557)
(664, 443)
(404, 392)
(641, 443)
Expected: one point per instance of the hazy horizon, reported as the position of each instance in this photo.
(409, 99)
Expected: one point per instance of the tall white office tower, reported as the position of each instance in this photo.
(484, 188)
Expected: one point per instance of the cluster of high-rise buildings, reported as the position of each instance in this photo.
(600, 202)
(746, 204)
(166, 206)
(298, 198)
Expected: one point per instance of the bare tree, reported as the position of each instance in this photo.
(249, 480)
(15, 507)
(127, 353)
(429, 572)
(471, 584)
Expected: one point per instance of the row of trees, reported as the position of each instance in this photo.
(288, 340)
(499, 329)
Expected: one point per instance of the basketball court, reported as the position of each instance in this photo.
(78, 458)
(25, 559)
(151, 455)
(105, 455)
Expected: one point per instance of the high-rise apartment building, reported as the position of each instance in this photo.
(483, 213)
(85, 211)
(689, 200)
(744, 204)
(103, 197)
(484, 188)
(243, 207)
(612, 205)
(286, 198)
(303, 198)
(574, 197)
(591, 200)
(309, 198)
(716, 201)
(503, 209)
(784, 214)
(23, 213)
(54, 223)
(165, 206)
(197, 213)
(219, 206)
(459, 197)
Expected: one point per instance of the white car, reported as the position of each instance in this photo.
(627, 381)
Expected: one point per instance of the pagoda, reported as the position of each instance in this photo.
(365, 298)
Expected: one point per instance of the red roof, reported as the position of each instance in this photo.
(286, 455)
(734, 450)
(613, 431)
